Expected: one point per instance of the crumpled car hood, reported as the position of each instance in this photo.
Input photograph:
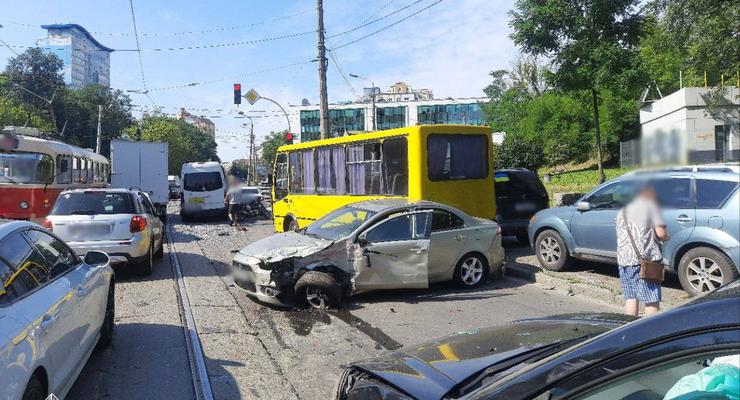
(284, 245)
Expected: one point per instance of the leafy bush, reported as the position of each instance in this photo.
(518, 152)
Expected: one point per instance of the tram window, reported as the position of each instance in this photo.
(83, 170)
(45, 169)
(76, 169)
(64, 172)
(96, 172)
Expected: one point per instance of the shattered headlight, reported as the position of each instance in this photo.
(358, 385)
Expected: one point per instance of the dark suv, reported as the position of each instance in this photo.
(519, 195)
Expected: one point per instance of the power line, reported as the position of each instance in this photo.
(386, 27)
(231, 44)
(138, 48)
(375, 20)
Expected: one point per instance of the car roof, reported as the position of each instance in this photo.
(387, 204)
(9, 225)
(102, 190)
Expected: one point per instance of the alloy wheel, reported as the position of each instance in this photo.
(471, 271)
(704, 274)
(316, 297)
(550, 250)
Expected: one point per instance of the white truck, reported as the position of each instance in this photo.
(142, 165)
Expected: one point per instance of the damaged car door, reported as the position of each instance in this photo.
(395, 253)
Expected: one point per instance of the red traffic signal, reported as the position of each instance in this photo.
(288, 138)
(237, 93)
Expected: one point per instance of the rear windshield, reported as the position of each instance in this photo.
(508, 183)
(202, 181)
(94, 203)
(251, 191)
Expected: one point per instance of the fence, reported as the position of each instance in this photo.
(629, 153)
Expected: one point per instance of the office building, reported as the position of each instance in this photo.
(86, 61)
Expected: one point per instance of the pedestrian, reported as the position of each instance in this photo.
(640, 227)
(233, 201)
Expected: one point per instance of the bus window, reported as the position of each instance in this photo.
(64, 169)
(363, 167)
(295, 176)
(456, 157)
(281, 176)
(395, 166)
(331, 170)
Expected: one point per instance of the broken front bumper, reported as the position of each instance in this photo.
(255, 281)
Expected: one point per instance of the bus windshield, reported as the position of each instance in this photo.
(26, 168)
(339, 223)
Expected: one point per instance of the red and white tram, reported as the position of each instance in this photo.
(34, 170)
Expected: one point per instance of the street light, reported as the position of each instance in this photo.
(372, 94)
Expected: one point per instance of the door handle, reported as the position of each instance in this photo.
(417, 250)
(684, 218)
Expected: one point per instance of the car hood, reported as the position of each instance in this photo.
(430, 370)
(284, 245)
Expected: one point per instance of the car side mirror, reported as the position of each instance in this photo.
(362, 241)
(583, 206)
(96, 258)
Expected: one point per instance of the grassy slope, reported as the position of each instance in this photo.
(579, 181)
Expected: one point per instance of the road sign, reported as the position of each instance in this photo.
(252, 96)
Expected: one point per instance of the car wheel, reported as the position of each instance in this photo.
(551, 251)
(471, 270)
(106, 331)
(704, 269)
(34, 389)
(318, 290)
(146, 267)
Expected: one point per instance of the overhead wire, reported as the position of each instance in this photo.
(138, 47)
(358, 27)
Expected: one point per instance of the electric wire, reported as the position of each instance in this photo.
(358, 27)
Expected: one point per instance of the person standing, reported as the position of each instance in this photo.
(641, 219)
(233, 201)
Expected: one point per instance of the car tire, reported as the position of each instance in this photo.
(293, 225)
(471, 270)
(160, 250)
(551, 251)
(146, 266)
(318, 290)
(34, 389)
(522, 237)
(109, 323)
(703, 269)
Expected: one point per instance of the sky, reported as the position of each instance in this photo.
(449, 47)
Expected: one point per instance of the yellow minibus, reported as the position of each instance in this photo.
(450, 164)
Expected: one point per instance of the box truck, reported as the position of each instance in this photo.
(142, 165)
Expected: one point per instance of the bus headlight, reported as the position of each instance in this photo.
(24, 205)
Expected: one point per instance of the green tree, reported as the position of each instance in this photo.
(519, 152)
(80, 115)
(593, 45)
(268, 148)
(186, 142)
(35, 77)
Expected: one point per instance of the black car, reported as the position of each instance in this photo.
(586, 356)
(519, 195)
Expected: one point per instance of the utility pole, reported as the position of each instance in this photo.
(98, 143)
(323, 97)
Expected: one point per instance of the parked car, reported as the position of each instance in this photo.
(519, 195)
(700, 209)
(583, 356)
(370, 245)
(203, 190)
(175, 188)
(55, 309)
(120, 222)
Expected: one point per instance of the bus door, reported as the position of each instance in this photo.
(280, 199)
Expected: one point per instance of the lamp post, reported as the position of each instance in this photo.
(372, 94)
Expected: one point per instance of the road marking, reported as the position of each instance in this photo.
(201, 383)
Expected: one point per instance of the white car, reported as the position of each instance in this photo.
(371, 245)
(123, 223)
(55, 309)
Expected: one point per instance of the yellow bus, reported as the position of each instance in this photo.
(450, 164)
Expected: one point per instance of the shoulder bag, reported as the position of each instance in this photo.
(649, 270)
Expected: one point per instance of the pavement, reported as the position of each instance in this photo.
(261, 352)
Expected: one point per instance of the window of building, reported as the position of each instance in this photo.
(395, 166)
(281, 176)
(341, 121)
(364, 168)
(390, 117)
(466, 114)
(713, 193)
(456, 157)
(330, 162)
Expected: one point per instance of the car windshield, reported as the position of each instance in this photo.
(339, 223)
(26, 168)
(94, 203)
(202, 181)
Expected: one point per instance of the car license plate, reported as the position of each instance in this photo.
(524, 207)
(197, 200)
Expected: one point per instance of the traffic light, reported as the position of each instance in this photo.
(237, 93)
(288, 138)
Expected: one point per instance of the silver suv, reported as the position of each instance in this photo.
(120, 222)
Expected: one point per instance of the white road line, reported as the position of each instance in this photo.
(201, 383)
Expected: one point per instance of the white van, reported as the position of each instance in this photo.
(203, 189)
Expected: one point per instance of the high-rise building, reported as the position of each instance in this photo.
(204, 124)
(86, 61)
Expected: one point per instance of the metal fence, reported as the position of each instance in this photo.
(629, 153)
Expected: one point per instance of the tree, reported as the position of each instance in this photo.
(519, 152)
(268, 148)
(593, 45)
(186, 142)
(35, 77)
(79, 111)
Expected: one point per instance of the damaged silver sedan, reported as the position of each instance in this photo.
(371, 245)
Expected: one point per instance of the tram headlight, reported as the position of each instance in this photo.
(24, 205)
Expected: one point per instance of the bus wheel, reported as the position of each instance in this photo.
(290, 224)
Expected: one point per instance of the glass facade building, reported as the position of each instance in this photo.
(340, 122)
(467, 114)
(390, 117)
